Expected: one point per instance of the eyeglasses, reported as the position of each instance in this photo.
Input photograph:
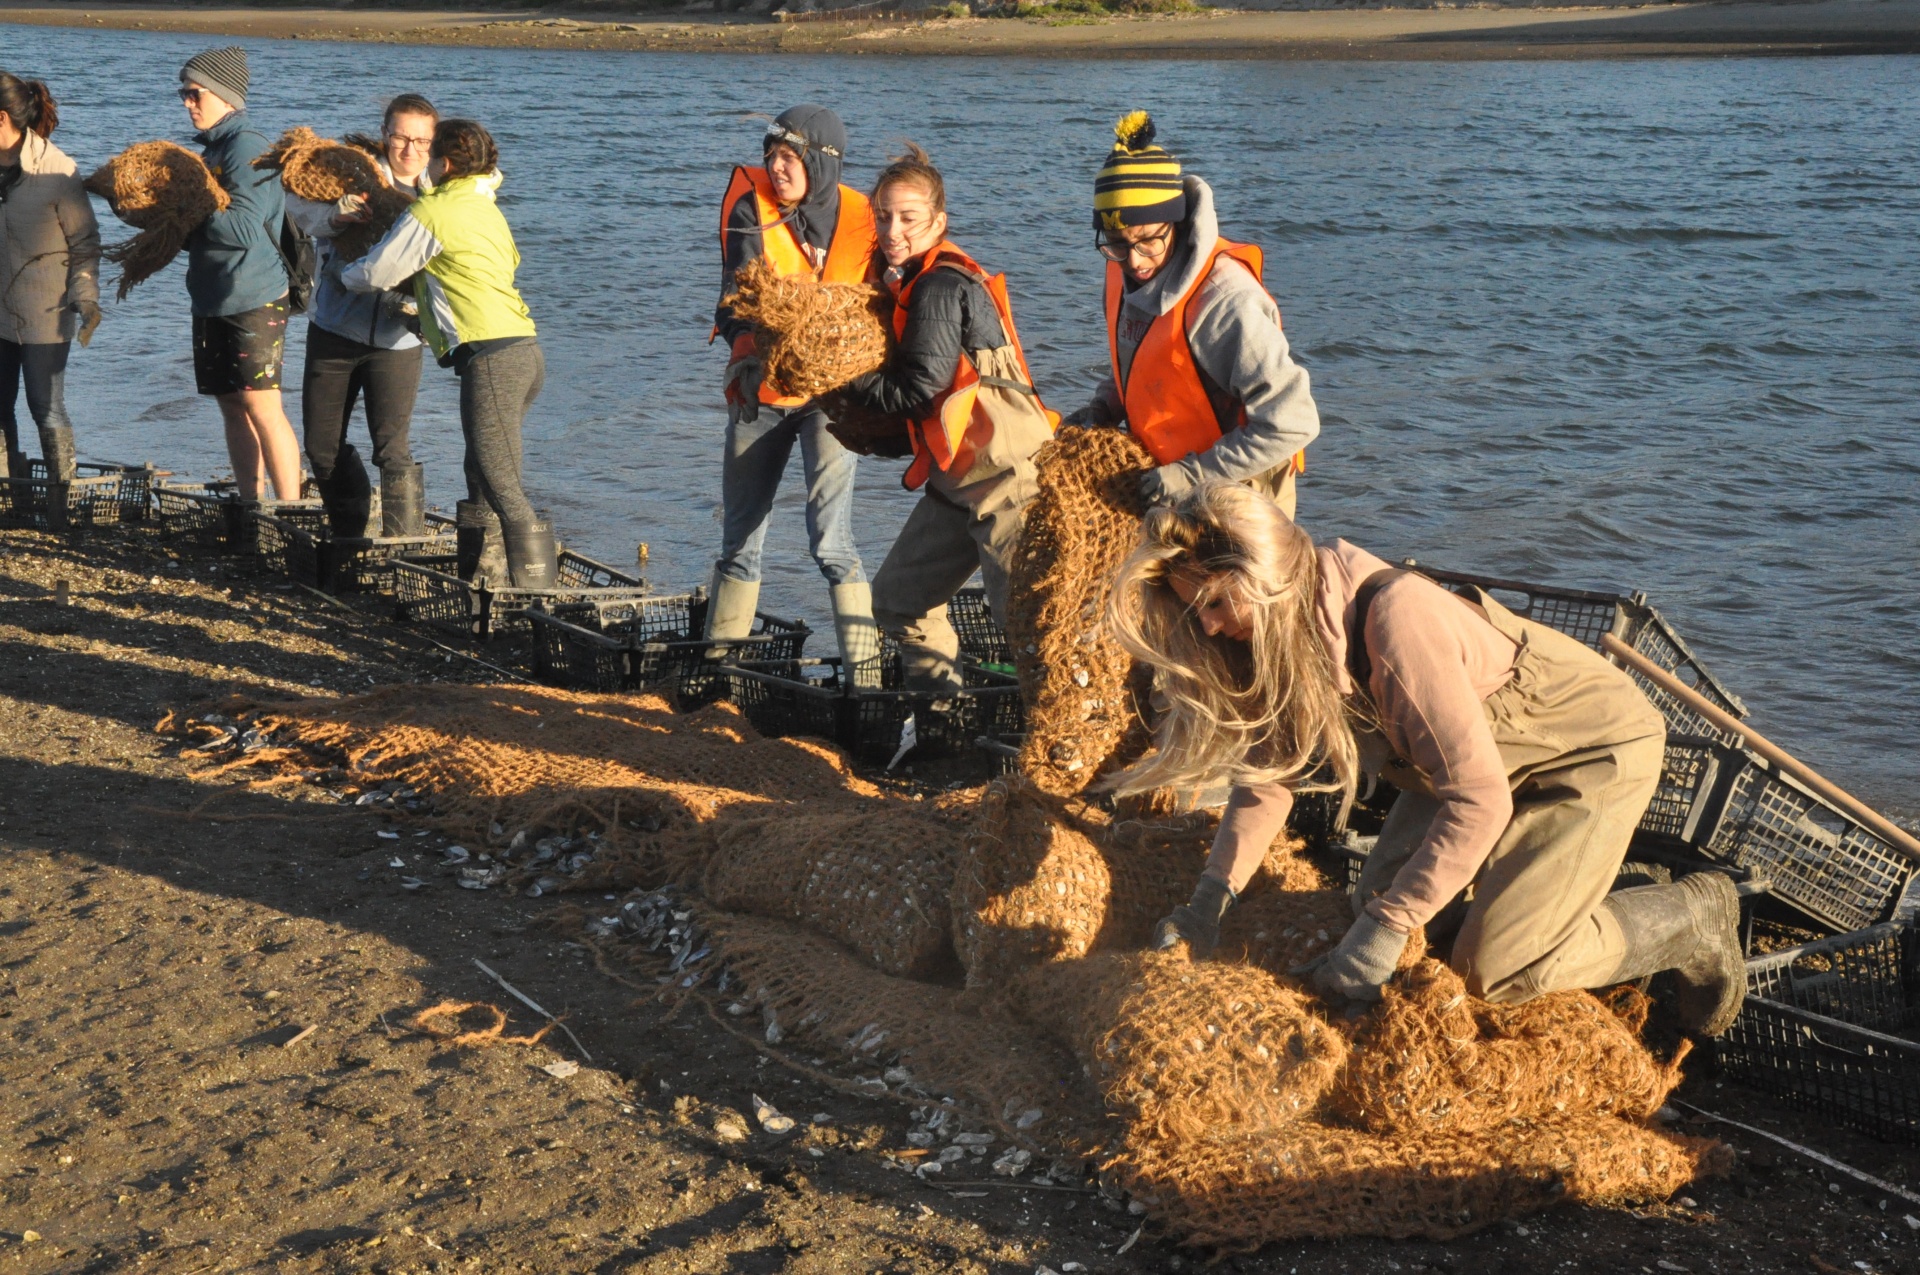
(191, 93)
(406, 143)
(1152, 247)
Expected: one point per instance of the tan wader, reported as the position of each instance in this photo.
(1583, 748)
(962, 523)
(1278, 484)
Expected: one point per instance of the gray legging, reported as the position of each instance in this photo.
(496, 389)
(44, 368)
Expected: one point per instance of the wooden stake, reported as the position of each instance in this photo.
(1868, 817)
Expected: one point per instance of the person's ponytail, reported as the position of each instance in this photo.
(29, 104)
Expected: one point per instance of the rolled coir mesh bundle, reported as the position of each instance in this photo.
(1316, 1180)
(1046, 878)
(877, 881)
(1431, 1059)
(1187, 1050)
(813, 337)
(165, 192)
(322, 171)
(808, 988)
(1280, 930)
(1079, 529)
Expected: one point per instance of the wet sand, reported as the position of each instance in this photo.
(1816, 26)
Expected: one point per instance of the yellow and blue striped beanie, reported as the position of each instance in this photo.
(1140, 184)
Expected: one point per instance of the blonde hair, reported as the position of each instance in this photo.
(1266, 710)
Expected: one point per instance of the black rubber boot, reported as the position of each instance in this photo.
(1692, 928)
(57, 496)
(403, 501)
(532, 557)
(482, 554)
(348, 496)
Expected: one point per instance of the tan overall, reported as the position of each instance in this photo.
(1583, 749)
(963, 522)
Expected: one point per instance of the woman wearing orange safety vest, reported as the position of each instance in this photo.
(1200, 371)
(958, 382)
(794, 212)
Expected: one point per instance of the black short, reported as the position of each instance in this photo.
(240, 351)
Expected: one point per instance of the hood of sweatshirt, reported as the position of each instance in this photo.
(1343, 566)
(815, 216)
(1193, 244)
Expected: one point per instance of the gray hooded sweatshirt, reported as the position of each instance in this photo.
(1234, 327)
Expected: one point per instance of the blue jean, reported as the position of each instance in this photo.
(750, 472)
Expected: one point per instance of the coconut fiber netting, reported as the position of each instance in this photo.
(1079, 686)
(989, 944)
(163, 191)
(324, 171)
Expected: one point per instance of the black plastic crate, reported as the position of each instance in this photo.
(426, 590)
(1814, 856)
(193, 511)
(571, 650)
(314, 556)
(1581, 614)
(1692, 779)
(812, 697)
(1647, 632)
(1829, 1026)
(90, 501)
(982, 640)
(651, 641)
(136, 481)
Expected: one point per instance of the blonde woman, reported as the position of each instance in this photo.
(1523, 759)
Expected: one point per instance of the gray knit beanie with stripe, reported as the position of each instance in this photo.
(224, 71)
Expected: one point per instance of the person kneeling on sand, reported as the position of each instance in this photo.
(1523, 759)
(794, 214)
(364, 343)
(1200, 371)
(455, 245)
(237, 280)
(959, 382)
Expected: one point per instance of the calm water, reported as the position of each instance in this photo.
(1645, 325)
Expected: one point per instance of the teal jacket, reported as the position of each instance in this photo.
(233, 258)
(456, 246)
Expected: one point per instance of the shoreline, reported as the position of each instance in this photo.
(1810, 27)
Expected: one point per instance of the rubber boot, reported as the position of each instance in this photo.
(403, 501)
(348, 496)
(533, 560)
(730, 611)
(1693, 929)
(481, 553)
(58, 494)
(859, 635)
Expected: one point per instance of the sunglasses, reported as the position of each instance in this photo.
(777, 133)
(191, 93)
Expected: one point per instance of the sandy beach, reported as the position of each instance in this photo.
(1815, 27)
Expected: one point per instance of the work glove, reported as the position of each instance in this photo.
(1092, 416)
(1165, 485)
(89, 315)
(1197, 924)
(1355, 969)
(743, 386)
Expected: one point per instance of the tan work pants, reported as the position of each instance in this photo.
(962, 523)
(1583, 749)
(1278, 484)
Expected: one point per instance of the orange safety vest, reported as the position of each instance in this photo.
(847, 255)
(1167, 406)
(952, 431)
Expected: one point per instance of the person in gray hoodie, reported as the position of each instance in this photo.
(1200, 370)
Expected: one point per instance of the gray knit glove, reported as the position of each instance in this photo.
(1197, 924)
(1364, 959)
(1166, 484)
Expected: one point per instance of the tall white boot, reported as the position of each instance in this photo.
(730, 608)
(859, 635)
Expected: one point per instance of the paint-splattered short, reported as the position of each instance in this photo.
(240, 351)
